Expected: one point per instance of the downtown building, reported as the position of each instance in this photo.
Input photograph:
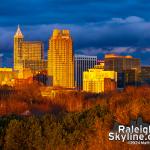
(83, 63)
(28, 54)
(17, 78)
(127, 68)
(145, 75)
(61, 59)
(96, 80)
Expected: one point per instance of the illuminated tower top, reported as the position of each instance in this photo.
(19, 33)
(63, 34)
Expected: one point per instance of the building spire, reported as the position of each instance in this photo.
(19, 33)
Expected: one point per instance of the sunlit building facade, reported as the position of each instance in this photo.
(18, 39)
(120, 63)
(96, 80)
(10, 77)
(61, 59)
(28, 54)
(35, 65)
(83, 63)
(7, 76)
(127, 67)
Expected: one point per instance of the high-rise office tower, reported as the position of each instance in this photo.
(83, 63)
(127, 67)
(28, 54)
(18, 39)
(61, 59)
(121, 63)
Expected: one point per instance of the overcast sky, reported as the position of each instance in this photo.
(97, 26)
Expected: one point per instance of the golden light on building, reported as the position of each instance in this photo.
(127, 67)
(96, 79)
(32, 50)
(18, 39)
(61, 59)
(9, 76)
(28, 54)
(119, 63)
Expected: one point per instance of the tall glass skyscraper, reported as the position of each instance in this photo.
(83, 63)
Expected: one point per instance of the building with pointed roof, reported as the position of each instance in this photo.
(19, 33)
(18, 39)
(28, 54)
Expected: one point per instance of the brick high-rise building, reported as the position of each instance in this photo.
(61, 59)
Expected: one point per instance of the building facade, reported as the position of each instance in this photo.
(83, 63)
(120, 63)
(61, 59)
(18, 39)
(28, 54)
(7, 76)
(127, 67)
(10, 77)
(96, 80)
(145, 75)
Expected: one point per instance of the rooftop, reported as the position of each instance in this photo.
(19, 33)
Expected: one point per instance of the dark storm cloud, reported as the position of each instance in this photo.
(30, 12)
(97, 26)
(129, 35)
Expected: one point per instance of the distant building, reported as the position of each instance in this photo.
(11, 77)
(54, 92)
(7, 76)
(120, 63)
(132, 78)
(83, 63)
(145, 75)
(127, 67)
(35, 65)
(24, 78)
(61, 59)
(41, 77)
(28, 54)
(99, 62)
(97, 80)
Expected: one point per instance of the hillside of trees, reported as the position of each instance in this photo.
(75, 121)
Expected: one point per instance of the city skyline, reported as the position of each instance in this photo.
(97, 27)
(74, 74)
(7, 60)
